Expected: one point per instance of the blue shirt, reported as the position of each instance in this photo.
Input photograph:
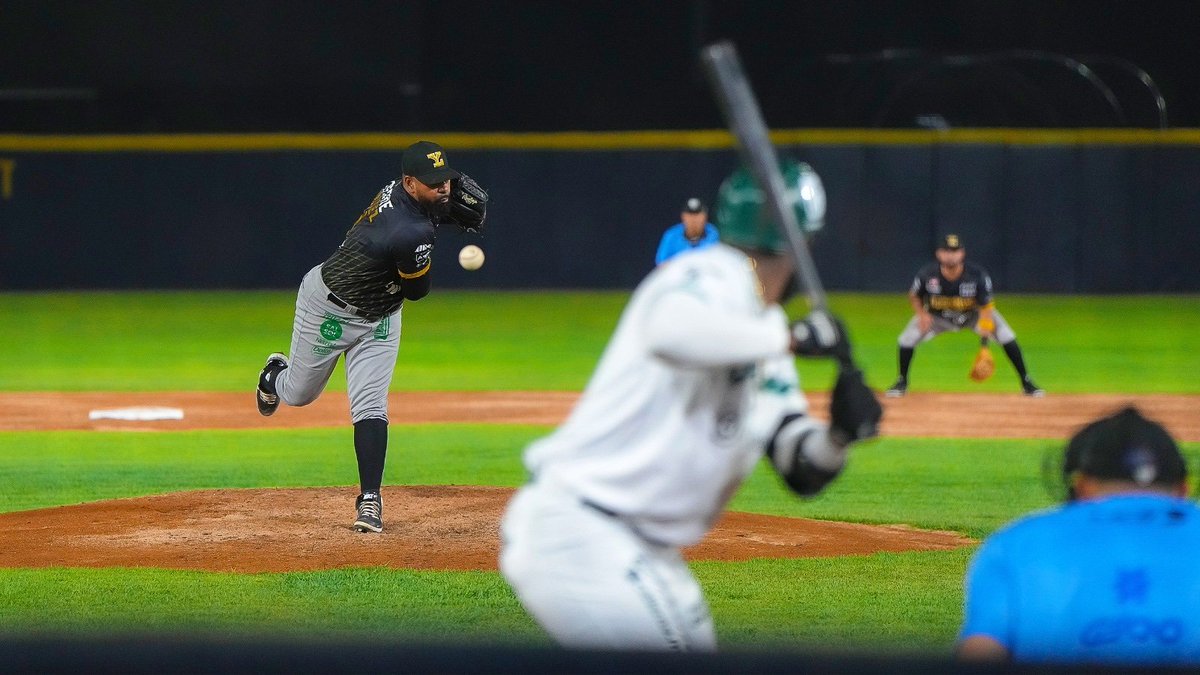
(674, 242)
(1112, 581)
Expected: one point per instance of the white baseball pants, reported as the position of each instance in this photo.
(592, 583)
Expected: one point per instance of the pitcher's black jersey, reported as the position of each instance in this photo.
(956, 301)
(385, 257)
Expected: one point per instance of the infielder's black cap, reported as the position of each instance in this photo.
(694, 205)
(426, 161)
(1128, 447)
(951, 242)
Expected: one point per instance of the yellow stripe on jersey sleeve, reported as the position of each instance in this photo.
(414, 275)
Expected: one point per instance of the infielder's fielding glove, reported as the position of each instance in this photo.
(984, 365)
(468, 203)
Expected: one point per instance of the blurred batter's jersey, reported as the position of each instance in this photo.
(674, 241)
(695, 380)
(390, 244)
(956, 301)
(1113, 581)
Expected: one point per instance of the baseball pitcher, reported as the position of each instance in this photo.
(696, 384)
(351, 304)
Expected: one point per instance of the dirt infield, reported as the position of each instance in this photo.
(427, 527)
(918, 414)
(449, 527)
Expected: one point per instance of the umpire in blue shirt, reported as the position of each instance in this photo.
(693, 231)
(1111, 577)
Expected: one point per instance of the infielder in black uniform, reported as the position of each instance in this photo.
(947, 296)
(350, 304)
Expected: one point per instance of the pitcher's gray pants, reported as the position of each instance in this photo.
(321, 332)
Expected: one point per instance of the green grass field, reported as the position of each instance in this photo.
(893, 603)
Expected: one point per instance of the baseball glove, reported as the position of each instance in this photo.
(468, 203)
(984, 365)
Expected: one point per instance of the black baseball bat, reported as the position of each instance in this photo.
(745, 120)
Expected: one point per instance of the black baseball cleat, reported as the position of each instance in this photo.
(268, 400)
(899, 389)
(1032, 389)
(370, 512)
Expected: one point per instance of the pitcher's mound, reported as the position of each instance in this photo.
(425, 527)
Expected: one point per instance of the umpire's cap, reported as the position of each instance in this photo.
(1128, 447)
(426, 161)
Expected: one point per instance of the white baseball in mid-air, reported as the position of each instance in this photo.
(470, 257)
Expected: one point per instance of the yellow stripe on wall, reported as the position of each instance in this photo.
(704, 139)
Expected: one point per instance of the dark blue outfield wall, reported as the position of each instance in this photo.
(1045, 211)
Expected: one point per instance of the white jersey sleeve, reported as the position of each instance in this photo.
(693, 383)
(716, 335)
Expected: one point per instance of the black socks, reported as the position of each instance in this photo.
(1018, 361)
(370, 446)
(906, 356)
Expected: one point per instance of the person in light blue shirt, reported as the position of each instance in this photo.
(693, 231)
(1111, 577)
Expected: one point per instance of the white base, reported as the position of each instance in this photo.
(138, 413)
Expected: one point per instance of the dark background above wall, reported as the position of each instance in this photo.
(68, 66)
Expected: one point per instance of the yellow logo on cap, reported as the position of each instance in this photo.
(952, 240)
(438, 161)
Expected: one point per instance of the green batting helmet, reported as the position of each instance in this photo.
(745, 222)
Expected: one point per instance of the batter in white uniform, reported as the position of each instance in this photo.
(695, 385)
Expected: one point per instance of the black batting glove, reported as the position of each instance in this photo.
(820, 334)
(854, 412)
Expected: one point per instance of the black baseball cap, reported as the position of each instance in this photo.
(694, 205)
(1128, 447)
(950, 242)
(426, 161)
